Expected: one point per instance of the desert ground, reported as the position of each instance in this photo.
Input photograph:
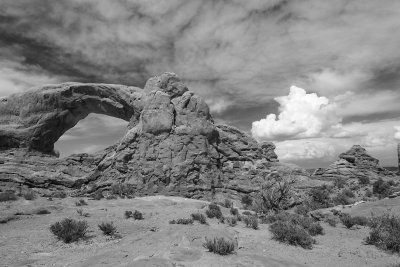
(27, 241)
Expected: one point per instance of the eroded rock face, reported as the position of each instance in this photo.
(354, 163)
(171, 146)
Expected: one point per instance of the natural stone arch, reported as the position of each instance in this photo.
(36, 119)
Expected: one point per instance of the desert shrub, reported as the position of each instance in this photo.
(81, 202)
(348, 193)
(234, 211)
(247, 201)
(363, 180)
(181, 221)
(349, 221)
(302, 210)
(381, 188)
(319, 198)
(30, 195)
(275, 194)
(107, 228)
(307, 223)
(213, 211)
(98, 195)
(290, 233)
(69, 230)
(42, 211)
(128, 214)
(251, 222)
(199, 217)
(339, 182)
(232, 221)
(368, 193)
(331, 221)
(385, 233)
(247, 213)
(123, 190)
(219, 246)
(59, 194)
(8, 196)
(228, 203)
(137, 215)
(83, 214)
(221, 219)
(342, 199)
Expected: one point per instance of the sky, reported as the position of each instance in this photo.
(314, 77)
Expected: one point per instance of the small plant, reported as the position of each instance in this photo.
(98, 195)
(219, 246)
(213, 211)
(81, 202)
(302, 210)
(251, 222)
(30, 195)
(69, 230)
(181, 221)
(339, 182)
(234, 211)
(247, 201)
(363, 180)
(368, 193)
(107, 228)
(385, 233)
(42, 211)
(59, 194)
(381, 188)
(348, 193)
(83, 214)
(128, 214)
(228, 204)
(342, 199)
(123, 190)
(292, 234)
(137, 215)
(349, 221)
(247, 213)
(221, 219)
(199, 217)
(232, 221)
(7, 196)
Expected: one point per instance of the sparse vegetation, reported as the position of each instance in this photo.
(107, 228)
(251, 222)
(302, 210)
(363, 180)
(8, 196)
(59, 194)
(81, 202)
(228, 203)
(69, 230)
(331, 221)
(98, 195)
(385, 233)
(349, 221)
(201, 218)
(339, 182)
(83, 214)
(292, 234)
(232, 221)
(234, 211)
(343, 198)
(123, 190)
(29, 195)
(213, 211)
(219, 246)
(320, 198)
(307, 223)
(42, 211)
(137, 215)
(181, 221)
(247, 201)
(381, 188)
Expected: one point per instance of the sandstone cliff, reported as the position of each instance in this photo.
(171, 146)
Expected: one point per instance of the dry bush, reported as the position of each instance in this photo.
(181, 221)
(385, 233)
(8, 196)
(42, 211)
(234, 211)
(29, 195)
(251, 222)
(290, 233)
(219, 246)
(201, 218)
(247, 201)
(228, 203)
(69, 230)
(81, 202)
(83, 214)
(214, 211)
(107, 228)
(232, 221)
(349, 221)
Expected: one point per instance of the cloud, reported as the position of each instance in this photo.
(397, 132)
(301, 115)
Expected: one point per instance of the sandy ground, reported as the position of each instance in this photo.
(27, 241)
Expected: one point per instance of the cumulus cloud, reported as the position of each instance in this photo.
(301, 115)
(397, 132)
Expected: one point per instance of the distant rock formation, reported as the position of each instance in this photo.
(353, 164)
(171, 146)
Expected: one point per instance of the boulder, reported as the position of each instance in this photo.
(353, 163)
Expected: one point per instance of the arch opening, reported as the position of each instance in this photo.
(91, 134)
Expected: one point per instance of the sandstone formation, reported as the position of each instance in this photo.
(171, 146)
(354, 163)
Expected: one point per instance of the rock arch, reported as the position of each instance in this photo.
(36, 119)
